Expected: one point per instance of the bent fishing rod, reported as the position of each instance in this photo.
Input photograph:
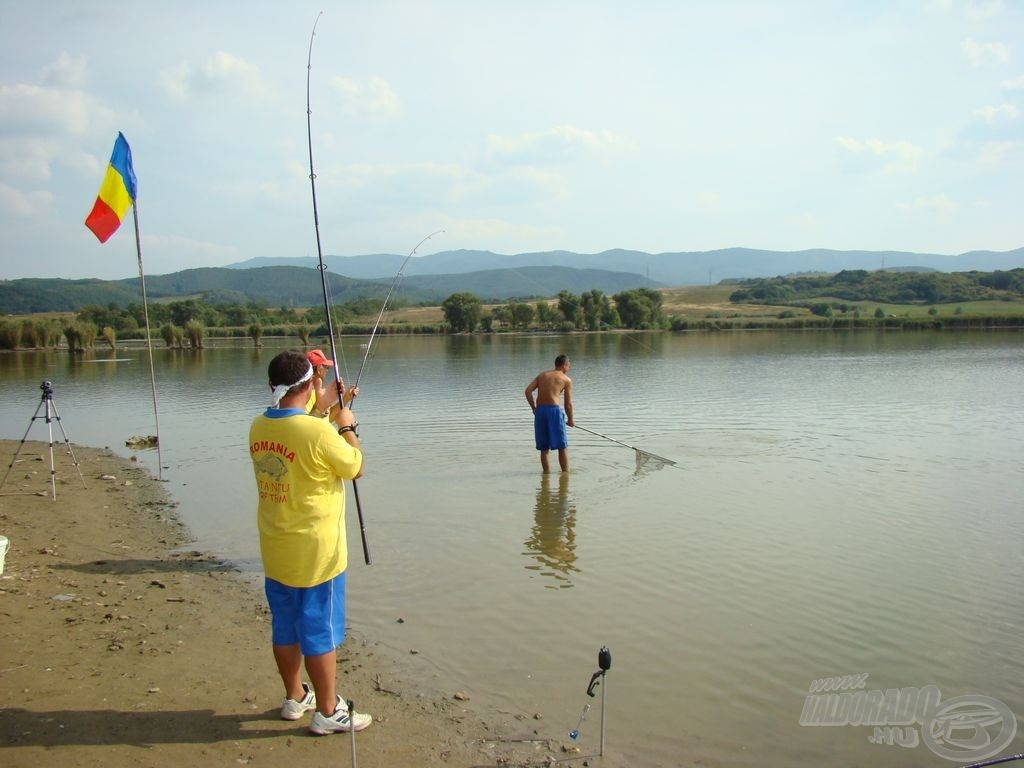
(323, 275)
(383, 307)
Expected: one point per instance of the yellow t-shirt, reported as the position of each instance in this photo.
(300, 463)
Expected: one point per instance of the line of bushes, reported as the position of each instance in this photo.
(29, 334)
(851, 323)
(78, 335)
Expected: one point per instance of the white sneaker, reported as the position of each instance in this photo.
(339, 722)
(293, 709)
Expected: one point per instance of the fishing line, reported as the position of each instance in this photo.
(574, 734)
(323, 274)
(341, 348)
(383, 307)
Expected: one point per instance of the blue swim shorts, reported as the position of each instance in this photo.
(549, 428)
(313, 617)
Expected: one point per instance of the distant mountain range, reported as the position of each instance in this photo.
(490, 276)
(680, 268)
(300, 286)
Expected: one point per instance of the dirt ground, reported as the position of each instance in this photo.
(119, 646)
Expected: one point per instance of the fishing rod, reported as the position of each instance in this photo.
(997, 761)
(384, 306)
(627, 445)
(323, 274)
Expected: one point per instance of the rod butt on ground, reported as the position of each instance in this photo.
(352, 728)
(362, 527)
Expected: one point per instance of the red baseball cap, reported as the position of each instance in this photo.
(316, 357)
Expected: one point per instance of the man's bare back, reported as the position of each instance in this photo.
(549, 386)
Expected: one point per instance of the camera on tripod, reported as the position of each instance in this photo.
(50, 414)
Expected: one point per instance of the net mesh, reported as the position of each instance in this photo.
(649, 462)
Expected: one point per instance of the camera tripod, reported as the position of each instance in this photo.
(51, 414)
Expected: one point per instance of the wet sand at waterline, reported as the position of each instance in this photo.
(123, 647)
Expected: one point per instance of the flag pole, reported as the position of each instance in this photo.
(149, 340)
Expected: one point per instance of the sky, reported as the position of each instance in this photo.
(518, 126)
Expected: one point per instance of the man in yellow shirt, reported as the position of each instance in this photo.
(300, 464)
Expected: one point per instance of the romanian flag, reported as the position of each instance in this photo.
(117, 193)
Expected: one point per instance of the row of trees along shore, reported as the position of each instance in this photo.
(818, 301)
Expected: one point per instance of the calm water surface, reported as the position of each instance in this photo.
(843, 504)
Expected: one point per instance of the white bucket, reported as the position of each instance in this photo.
(4, 543)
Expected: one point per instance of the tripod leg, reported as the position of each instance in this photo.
(74, 459)
(53, 472)
(22, 443)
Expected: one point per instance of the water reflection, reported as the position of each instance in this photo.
(552, 540)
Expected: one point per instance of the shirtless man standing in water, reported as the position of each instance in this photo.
(552, 387)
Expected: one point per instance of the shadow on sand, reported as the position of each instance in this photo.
(64, 728)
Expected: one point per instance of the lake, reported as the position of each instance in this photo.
(841, 504)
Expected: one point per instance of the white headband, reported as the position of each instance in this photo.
(282, 389)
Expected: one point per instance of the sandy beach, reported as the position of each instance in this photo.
(121, 646)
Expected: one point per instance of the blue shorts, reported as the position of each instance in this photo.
(313, 617)
(549, 428)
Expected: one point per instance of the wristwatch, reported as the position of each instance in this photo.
(348, 428)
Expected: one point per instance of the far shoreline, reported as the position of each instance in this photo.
(994, 323)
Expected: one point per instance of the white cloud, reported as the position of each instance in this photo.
(66, 71)
(193, 251)
(984, 53)
(491, 230)
(26, 158)
(41, 125)
(221, 74)
(515, 186)
(900, 155)
(1016, 84)
(991, 114)
(23, 204)
(559, 144)
(37, 110)
(981, 10)
(934, 204)
(396, 176)
(374, 99)
(997, 154)
(31, 158)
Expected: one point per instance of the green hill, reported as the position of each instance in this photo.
(884, 286)
(281, 286)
